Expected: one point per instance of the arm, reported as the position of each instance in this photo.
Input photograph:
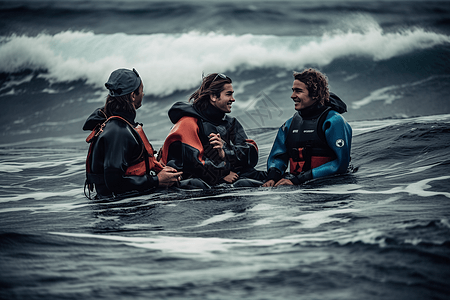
(241, 151)
(278, 159)
(184, 151)
(339, 137)
(120, 149)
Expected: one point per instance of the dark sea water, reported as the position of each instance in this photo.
(381, 232)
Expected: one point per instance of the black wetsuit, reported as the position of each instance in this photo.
(115, 149)
(187, 146)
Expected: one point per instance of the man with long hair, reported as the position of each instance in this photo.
(206, 144)
(316, 141)
(120, 158)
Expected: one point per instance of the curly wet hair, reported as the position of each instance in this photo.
(316, 83)
(212, 85)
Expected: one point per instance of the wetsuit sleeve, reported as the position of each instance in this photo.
(242, 152)
(278, 157)
(121, 148)
(338, 134)
(183, 150)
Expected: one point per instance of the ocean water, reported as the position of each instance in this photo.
(381, 232)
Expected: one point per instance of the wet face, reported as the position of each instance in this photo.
(300, 95)
(225, 100)
(137, 99)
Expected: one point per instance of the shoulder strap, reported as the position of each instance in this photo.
(99, 128)
(138, 137)
(297, 120)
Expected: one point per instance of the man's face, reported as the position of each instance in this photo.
(300, 95)
(225, 100)
(137, 99)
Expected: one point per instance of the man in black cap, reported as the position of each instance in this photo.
(120, 158)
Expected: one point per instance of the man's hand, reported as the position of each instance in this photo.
(216, 142)
(283, 181)
(168, 176)
(269, 183)
(232, 177)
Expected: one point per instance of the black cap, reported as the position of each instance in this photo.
(122, 82)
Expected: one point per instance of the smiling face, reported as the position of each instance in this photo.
(225, 100)
(300, 95)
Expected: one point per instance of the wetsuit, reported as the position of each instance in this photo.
(187, 147)
(316, 142)
(116, 149)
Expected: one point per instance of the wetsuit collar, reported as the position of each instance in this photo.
(312, 111)
(98, 117)
(212, 114)
(129, 116)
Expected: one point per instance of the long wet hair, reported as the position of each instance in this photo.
(212, 85)
(120, 104)
(316, 83)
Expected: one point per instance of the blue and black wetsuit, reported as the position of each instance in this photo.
(316, 142)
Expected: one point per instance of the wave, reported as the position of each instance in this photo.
(175, 62)
(391, 93)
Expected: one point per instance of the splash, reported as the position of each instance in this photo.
(174, 62)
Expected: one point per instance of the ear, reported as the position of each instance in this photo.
(133, 99)
(212, 98)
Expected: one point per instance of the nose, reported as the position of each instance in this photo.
(232, 99)
(293, 96)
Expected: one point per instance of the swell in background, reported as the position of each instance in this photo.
(384, 61)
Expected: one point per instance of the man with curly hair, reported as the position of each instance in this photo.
(316, 141)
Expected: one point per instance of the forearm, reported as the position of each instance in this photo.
(117, 182)
(242, 156)
(277, 161)
(336, 166)
(338, 134)
(194, 162)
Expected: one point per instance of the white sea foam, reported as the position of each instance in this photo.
(218, 218)
(413, 170)
(360, 127)
(317, 218)
(160, 58)
(49, 141)
(419, 188)
(391, 93)
(14, 82)
(40, 196)
(416, 188)
(201, 247)
(15, 167)
(209, 248)
(366, 236)
(264, 206)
